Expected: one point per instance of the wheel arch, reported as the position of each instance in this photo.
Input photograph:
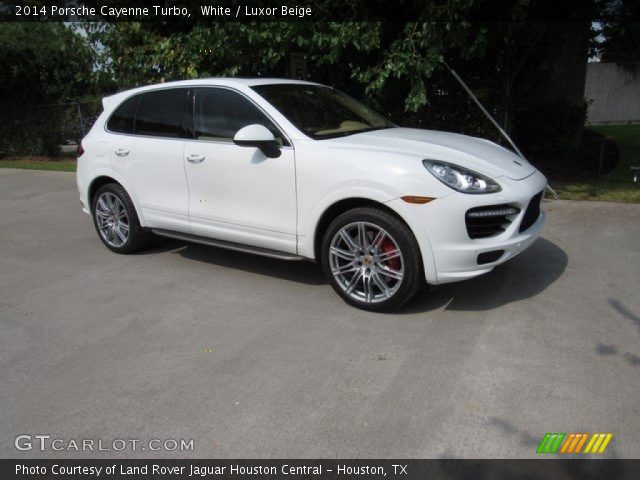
(394, 207)
(338, 208)
(105, 179)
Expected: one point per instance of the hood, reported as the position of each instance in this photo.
(474, 153)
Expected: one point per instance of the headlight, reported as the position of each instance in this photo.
(461, 179)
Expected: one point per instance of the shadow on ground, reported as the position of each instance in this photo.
(618, 306)
(609, 350)
(301, 272)
(523, 277)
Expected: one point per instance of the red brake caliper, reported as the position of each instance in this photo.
(388, 247)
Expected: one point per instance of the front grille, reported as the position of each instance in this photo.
(483, 222)
(532, 212)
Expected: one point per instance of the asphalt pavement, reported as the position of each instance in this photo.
(254, 357)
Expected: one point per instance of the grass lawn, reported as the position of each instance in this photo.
(65, 163)
(616, 186)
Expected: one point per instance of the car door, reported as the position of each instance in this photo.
(236, 193)
(147, 150)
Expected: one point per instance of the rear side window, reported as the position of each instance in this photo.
(123, 119)
(220, 113)
(161, 113)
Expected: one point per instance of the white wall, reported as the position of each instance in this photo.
(613, 93)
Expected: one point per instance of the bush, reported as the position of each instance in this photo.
(549, 131)
(41, 129)
(448, 108)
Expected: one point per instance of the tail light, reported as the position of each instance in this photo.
(79, 150)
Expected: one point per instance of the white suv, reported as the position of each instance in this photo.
(299, 171)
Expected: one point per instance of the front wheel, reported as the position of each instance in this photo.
(372, 259)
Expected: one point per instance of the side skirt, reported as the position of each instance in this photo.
(238, 247)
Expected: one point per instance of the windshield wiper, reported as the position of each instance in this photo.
(373, 129)
(353, 132)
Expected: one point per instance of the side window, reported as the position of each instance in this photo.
(123, 119)
(220, 113)
(161, 113)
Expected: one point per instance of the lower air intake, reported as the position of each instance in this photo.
(488, 221)
(532, 213)
(488, 257)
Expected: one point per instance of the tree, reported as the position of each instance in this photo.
(522, 69)
(44, 62)
(44, 65)
(620, 30)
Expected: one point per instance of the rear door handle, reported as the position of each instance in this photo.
(122, 152)
(195, 158)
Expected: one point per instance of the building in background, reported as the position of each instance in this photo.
(613, 94)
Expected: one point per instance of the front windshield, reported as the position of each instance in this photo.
(322, 112)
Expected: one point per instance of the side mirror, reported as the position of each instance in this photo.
(258, 136)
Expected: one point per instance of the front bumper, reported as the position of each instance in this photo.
(444, 233)
(460, 261)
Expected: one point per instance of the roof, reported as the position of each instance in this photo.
(221, 81)
(232, 81)
(258, 80)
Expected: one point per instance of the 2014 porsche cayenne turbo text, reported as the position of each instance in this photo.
(300, 171)
(107, 11)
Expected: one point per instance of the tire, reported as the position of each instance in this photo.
(386, 280)
(116, 220)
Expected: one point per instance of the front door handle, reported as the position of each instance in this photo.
(122, 152)
(195, 158)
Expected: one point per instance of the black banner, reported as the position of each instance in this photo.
(400, 469)
(305, 10)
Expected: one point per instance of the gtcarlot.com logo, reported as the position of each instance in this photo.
(47, 443)
(574, 443)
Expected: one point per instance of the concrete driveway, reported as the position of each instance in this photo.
(252, 357)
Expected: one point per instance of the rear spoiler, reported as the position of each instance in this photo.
(108, 101)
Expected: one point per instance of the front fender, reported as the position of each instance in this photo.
(407, 211)
(306, 241)
(309, 222)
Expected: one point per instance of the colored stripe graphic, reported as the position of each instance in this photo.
(572, 443)
(550, 443)
(581, 443)
(598, 443)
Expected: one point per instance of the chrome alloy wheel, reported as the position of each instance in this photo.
(112, 220)
(366, 262)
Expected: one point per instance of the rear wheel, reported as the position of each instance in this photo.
(372, 259)
(116, 221)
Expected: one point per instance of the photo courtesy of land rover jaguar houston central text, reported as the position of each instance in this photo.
(300, 171)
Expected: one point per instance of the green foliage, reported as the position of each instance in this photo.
(47, 65)
(621, 36)
(623, 45)
(515, 67)
(518, 68)
(37, 129)
(616, 186)
(371, 54)
(139, 53)
(549, 128)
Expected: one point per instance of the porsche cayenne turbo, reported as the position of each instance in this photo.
(300, 171)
